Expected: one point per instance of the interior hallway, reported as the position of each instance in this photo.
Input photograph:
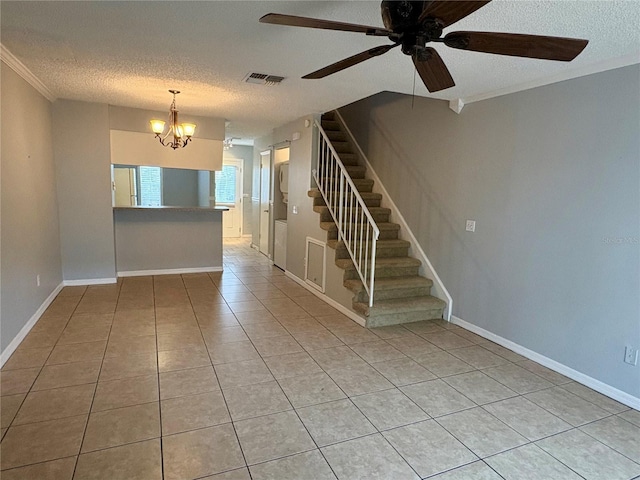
(245, 374)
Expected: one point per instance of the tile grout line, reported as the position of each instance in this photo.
(601, 442)
(476, 406)
(155, 324)
(40, 372)
(41, 367)
(348, 398)
(287, 397)
(86, 425)
(216, 375)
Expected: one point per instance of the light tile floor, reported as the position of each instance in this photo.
(246, 375)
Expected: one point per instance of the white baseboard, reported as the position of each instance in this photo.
(89, 281)
(29, 325)
(341, 308)
(597, 385)
(169, 271)
(247, 235)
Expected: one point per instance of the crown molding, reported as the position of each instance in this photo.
(17, 66)
(610, 64)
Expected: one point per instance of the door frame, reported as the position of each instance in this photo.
(265, 198)
(239, 164)
(134, 182)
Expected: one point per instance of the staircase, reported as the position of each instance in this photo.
(400, 294)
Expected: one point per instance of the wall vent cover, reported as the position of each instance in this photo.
(263, 79)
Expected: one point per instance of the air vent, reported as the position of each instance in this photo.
(263, 79)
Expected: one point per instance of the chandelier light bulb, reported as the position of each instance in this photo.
(157, 126)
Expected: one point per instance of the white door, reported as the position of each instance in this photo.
(265, 195)
(229, 194)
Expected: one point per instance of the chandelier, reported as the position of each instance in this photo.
(179, 133)
(227, 143)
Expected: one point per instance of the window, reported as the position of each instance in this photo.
(226, 185)
(150, 186)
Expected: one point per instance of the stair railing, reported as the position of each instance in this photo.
(356, 226)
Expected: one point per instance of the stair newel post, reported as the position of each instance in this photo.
(366, 252)
(332, 183)
(323, 175)
(360, 238)
(320, 166)
(329, 160)
(341, 199)
(373, 269)
(354, 226)
(349, 213)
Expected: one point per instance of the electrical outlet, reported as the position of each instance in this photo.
(631, 355)
(471, 226)
(38, 280)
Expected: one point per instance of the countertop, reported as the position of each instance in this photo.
(176, 209)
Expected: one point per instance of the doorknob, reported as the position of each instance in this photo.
(266, 211)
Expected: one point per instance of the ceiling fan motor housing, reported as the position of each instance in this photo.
(403, 18)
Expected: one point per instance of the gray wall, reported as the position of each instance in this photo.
(205, 179)
(180, 187)
(551, 175)
(165, 239)
(83, 172)
(29, 235)
(82, 157)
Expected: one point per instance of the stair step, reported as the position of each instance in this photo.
(330, 125)
(355, 171)
(370, 199)
(389, 288)
(385, 267)
(331, 115)
(388, 231)
(384, 248)
(362, 184)
(342, 147)
(379, 214)
(400, 310)
(348, 158)
(336, 135)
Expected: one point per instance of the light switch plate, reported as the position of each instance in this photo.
(471, 226)
(631, 355)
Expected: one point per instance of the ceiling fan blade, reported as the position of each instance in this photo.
(432, 70)
(518, 45)
(449, 12)
(295, 21)
(350, 62)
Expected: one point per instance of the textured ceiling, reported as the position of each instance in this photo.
(130, 53)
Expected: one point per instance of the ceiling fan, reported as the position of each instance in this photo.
(413, 24)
